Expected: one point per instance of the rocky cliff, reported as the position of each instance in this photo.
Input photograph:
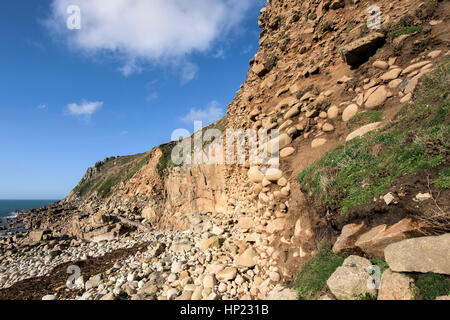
(323, 78)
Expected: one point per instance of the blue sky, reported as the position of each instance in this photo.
(120, 85)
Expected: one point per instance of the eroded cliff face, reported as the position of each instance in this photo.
(199, 188)
(304, 82)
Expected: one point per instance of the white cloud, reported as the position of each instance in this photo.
(143, 31)
(219, 54)
(207, 115)
(42, 106)
(85, 109)
(188, 72)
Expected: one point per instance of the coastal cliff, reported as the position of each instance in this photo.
(337, 91)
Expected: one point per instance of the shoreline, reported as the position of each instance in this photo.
(201, 262)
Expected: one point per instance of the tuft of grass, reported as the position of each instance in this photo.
(380, 263)
(165, 161)
(312, 278)
(404, 30)
(417, 140)
(368, 296)
(443, 181)
(364, 118)
(432, 285)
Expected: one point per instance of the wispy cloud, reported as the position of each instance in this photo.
(211, 113)
(139, 32)
(189, 72)
(85, 109)
(152, 96)
(42, 106)
(219, 54)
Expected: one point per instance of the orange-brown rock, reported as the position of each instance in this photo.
(349, 234)
(377, 239)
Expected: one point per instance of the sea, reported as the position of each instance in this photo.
(8, 207)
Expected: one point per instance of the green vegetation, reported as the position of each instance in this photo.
(404, 30)
(104, 187)
(165, 161)
(218, 125)
(109, 173)
(432, 285)
(380, 263)
(444, 179)
(312, 279)
(417, 140)
(368, 296)
(404, 26)
(364, 118)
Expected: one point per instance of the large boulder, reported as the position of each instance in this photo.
(246, 223)
(259, 69)
(424, 254)
(209, 243)
(396, 286)
(286, 152)
(350, 281)
(286, 103)
(35, 236)
(273, 175)
(255, 175)
(349, 234)
(363, 130)
(391, 74)
(377, 98)
(107, 236)
(349, 112)
(227, 274)
(246, 259)
(291, 112)
(360, 50)
(276, 225)
(276, 144)
(376, 239)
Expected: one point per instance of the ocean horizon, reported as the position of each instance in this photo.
(8, 207)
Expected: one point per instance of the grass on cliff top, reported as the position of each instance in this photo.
(165, 162)
(417, 140)
(312, 279)
(111, 173)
